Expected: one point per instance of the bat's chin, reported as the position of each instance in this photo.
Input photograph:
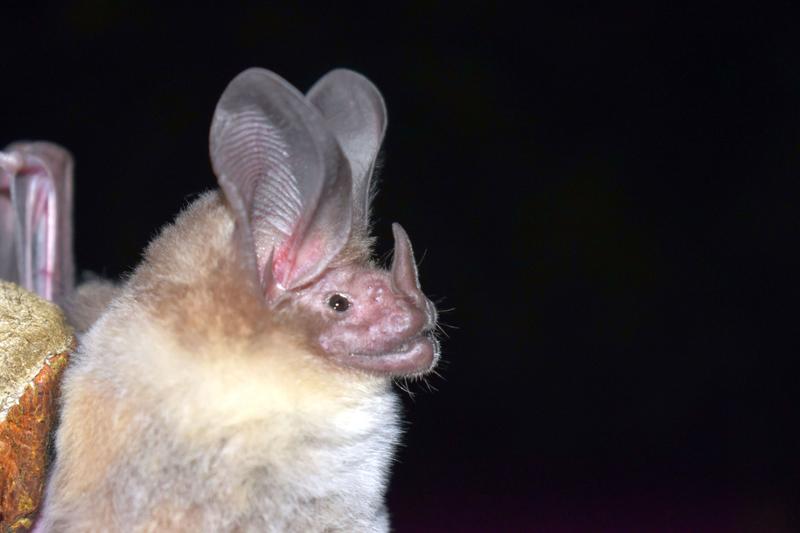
(413, 357)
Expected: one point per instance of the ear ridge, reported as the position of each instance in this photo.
(284, 176)
(355, 112)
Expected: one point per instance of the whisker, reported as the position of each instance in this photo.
(422, 257)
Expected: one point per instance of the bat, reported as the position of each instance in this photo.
(240, 378)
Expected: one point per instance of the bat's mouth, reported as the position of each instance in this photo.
(413, 357)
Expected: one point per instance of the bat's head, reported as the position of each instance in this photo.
(371, 319)
(296, 172)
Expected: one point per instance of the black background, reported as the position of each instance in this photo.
(605, 200)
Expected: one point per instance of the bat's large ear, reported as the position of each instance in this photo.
(285, 177)
(354, 110)
(36, 218)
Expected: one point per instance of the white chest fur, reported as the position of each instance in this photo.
(191, 442)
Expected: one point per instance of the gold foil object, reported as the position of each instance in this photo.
(35, 342)
(31, 330)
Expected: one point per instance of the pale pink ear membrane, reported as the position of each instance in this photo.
(296, 170)
(285, 177)
(355, 112)
(36, 218)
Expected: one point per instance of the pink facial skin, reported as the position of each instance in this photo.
(375, 320)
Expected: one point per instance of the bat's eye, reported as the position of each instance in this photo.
(338, 303)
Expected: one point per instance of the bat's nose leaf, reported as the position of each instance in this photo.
(404, 268)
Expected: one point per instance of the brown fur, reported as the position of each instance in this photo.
(86, 304)
(187, 363)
